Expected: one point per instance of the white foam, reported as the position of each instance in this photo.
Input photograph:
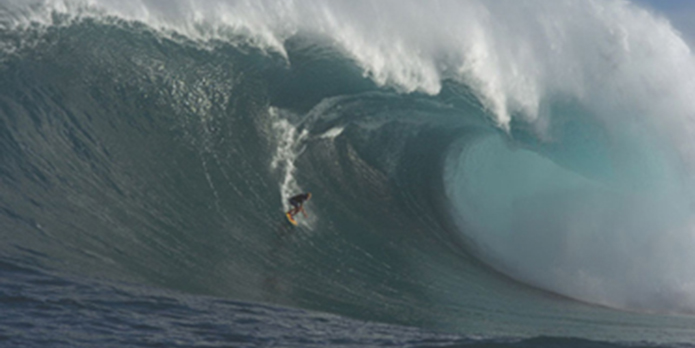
(333, 133)
(288, 148)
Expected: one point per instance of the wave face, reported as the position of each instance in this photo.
(492, 169)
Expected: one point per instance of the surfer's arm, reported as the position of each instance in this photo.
(303, 212)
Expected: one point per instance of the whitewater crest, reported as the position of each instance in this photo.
(516, 57)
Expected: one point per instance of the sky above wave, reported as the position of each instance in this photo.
(679, 12)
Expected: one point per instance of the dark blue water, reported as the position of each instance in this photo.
(45, 310)
(144, 174)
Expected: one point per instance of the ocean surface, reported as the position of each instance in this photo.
(484, 174)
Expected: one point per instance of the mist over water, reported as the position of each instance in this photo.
(584, 185)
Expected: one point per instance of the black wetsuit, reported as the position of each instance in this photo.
(297, 200)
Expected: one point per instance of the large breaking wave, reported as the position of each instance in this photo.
(157, 142)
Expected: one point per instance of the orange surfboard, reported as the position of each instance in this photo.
(290, 219)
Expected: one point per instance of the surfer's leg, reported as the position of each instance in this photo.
(292, 211)
(295, 208)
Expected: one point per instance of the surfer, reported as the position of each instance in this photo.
(297, 203)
